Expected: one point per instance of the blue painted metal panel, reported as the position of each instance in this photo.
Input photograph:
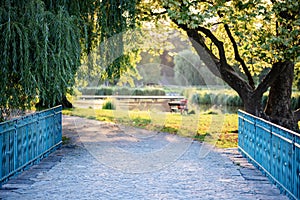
(283, 156)
(263, 144)
(241, 134)
(7, 148)
(274, 149)
(28, 139)
(250, 135)
(276, 161)
(296, 167)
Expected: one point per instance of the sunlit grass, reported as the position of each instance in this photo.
(212, 127)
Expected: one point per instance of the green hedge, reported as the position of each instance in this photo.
(122, 91)
(232, 99)
(96, 91)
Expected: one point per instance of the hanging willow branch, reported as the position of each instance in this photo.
(42, 41)
(114, 17)
(40, 56)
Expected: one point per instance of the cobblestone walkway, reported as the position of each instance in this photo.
(106, 161)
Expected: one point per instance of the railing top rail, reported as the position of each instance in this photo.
(268, 122)
(31, 114)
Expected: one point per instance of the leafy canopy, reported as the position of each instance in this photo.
(40, 54)
(266, 31)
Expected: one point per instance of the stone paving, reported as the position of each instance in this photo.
(106, 161)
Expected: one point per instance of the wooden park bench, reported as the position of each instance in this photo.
(179, 106)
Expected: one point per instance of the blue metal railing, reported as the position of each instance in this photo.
(274, 149)
(28, 139)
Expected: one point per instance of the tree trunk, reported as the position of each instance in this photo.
(65, 102)
(253, 104)
(278, 107)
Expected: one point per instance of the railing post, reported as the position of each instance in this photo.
(15, 151)
(297, 167)
(294, 162)
(255, 140)
(1, 151)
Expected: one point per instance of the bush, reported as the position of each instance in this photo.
(207, 99)
(138, 92)
(234, 101)
(196, 99)
(219, 98)
(108, 105)
(154, 92)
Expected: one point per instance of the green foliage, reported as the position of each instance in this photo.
(230, 98)
(40, 54)
(122, 91)
(190, 70)
(108, 105)
(104, 25)
(266, 31)
(138, 92)
(150, 73)
(42, 42)
(149, 69)
(295, 101)
(187, 65)
(297, 76)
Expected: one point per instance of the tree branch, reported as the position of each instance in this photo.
(218, 67)
(159, 13)
(270, 78)
(202, 49)
(238, 57)
(217, 42)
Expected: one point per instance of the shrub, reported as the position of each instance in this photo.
(234, 101)
(196, 99)
(219, 98)
(207, 99)
(108, 105)
(154, 92)
(138, 92)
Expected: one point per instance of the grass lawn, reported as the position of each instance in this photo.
(212, 127)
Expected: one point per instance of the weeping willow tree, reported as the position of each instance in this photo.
(105, 23)
(115, 17)
(43, 42)
(39, 57)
